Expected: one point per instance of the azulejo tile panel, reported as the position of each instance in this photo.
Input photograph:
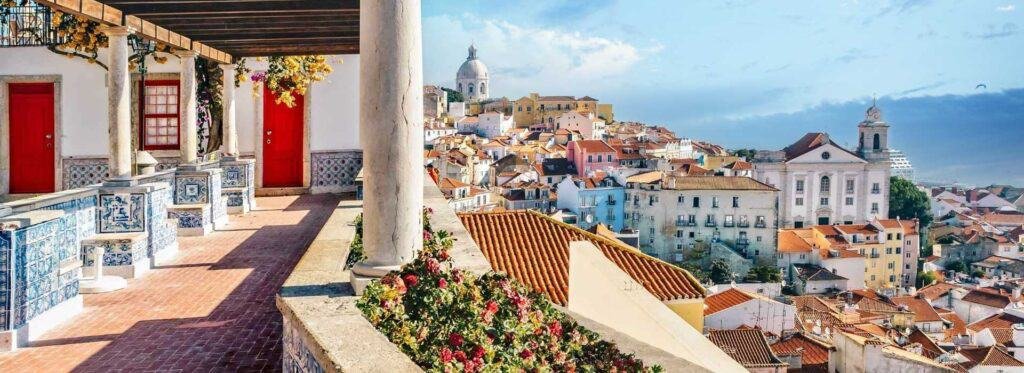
(191, 190)
(31, 281)
(188, 219)
(122, 213)
(237, 175)
(297, 356)
(161, 234)
(116, 252)
(81, 172)
(335, 169)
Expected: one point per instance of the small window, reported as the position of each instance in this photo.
(799, 201)
(714, 202)
(826, 155)
(696, 201)
(824, 201)
(799, 186)
(849, 201)
(735, 202)
(826, 184)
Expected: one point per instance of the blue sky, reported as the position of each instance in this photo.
(762, 73)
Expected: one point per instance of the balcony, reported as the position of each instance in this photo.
(28, 26)
(759, 225)
(682, 223)
(875, 255)
(710, 224)
(743, 242)
(743, 224)
(729, 224)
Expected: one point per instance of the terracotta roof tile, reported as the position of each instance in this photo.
(923, 312)
(936, 291)
(1000, 324)
(989, 356)
(646, 177)
(716, 183)
(725, 299)
(791, 242)
(813, 352)
(988, 298)
(594, 146)
(929, 348)
(747, 346)
(534, 249)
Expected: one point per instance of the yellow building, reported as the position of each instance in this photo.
(886, 246)
(535, 109)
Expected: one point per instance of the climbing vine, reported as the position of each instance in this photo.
(286, 76)
(209, 93)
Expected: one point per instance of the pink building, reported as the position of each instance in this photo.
(591, 155)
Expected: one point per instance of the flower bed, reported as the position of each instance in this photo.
(450, 320)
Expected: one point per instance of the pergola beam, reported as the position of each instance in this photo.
(198, 7)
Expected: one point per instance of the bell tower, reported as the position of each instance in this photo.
(874, 136)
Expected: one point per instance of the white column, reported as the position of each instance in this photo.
(188, 133)
(119, 120)
(390, 133)
(230, 130)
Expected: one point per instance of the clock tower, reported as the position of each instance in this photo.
(874, 136)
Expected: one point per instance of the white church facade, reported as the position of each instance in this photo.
(822, 183)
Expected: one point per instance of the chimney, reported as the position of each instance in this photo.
(1018, 334)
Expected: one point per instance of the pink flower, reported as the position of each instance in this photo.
(446, 355)
(469, 366)
(426, 235)
(478, 352)
(455, 340)
(457, 276)
(526, 354)
(460, 356)
(400, 285)
(443, 255)
(411, 279)
(442, 283)
(489, 310)
(556, 328)
(433, 266)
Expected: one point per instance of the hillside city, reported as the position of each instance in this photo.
(313, 186)
(804, 251)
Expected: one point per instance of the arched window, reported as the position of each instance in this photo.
(483, 88)
(460, 87)
(826, 184)
(878, 141)
(470, 88)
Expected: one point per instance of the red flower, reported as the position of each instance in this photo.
(526, 354)
(400, 285)
(442, 283)
(457, 276)
(556, 328)
(469, 366)
(426, 235)
(455, 340)
(446, 355)
(489, 310)
(411, 279)
(442, 255)
(433, 266)
(478, 352)
(460, 356)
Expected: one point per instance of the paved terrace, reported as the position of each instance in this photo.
(211, 308)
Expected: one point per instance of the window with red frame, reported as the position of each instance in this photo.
(160, 118)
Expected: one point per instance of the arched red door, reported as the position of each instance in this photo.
(282, 141)
(32, 137)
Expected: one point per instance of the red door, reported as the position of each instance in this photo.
(32, 137)
(282, 142)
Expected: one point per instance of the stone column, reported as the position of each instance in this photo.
(188, 133)
(119, 119)
(230, 129)
(391, 134)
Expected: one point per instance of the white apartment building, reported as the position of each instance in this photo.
(822, 183)
(674, 213)
(900, 165)
(493, 124)
(586, 123)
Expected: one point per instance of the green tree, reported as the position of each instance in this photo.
(720, 272)
(745, 153)
(957, 266)
(763, 273)
(453, 95)
(907, 202)
(977, 273)
(925, 279)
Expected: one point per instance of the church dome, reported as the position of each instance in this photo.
(473, 68)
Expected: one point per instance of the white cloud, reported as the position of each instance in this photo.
(522, 59)
(1005, 8)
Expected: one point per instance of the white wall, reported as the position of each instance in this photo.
(335, 110)
(769, 315)
(600, 291)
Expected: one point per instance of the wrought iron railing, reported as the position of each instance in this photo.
(27, 25)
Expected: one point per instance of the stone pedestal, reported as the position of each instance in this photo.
(124, 255)
(128, 207)
(239, 186)
(199, 206)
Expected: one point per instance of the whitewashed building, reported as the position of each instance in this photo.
(493, 124)
(822, 183)
(586, 123)
(733, 308)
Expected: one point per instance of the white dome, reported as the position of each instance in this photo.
(472, 69)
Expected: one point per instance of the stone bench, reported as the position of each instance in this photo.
(124, 254)
(192, 220)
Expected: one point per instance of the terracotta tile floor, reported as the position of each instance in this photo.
(211, 308)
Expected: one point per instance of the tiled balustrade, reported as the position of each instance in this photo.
(239, 185)
(199, 204)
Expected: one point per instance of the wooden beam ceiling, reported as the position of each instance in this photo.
(248, 28)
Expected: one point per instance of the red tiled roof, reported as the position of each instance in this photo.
(929, 348)
(923, 312)
(740, 166)
(594, 146)
(747, 346)
(716, 183)
(987, 298)
(1000, 324)
(989, 356)
(790, 242)
(725, 299)
(534, 249)
(813, 352)
(936, 291)
(959, 326)
(449, 184)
